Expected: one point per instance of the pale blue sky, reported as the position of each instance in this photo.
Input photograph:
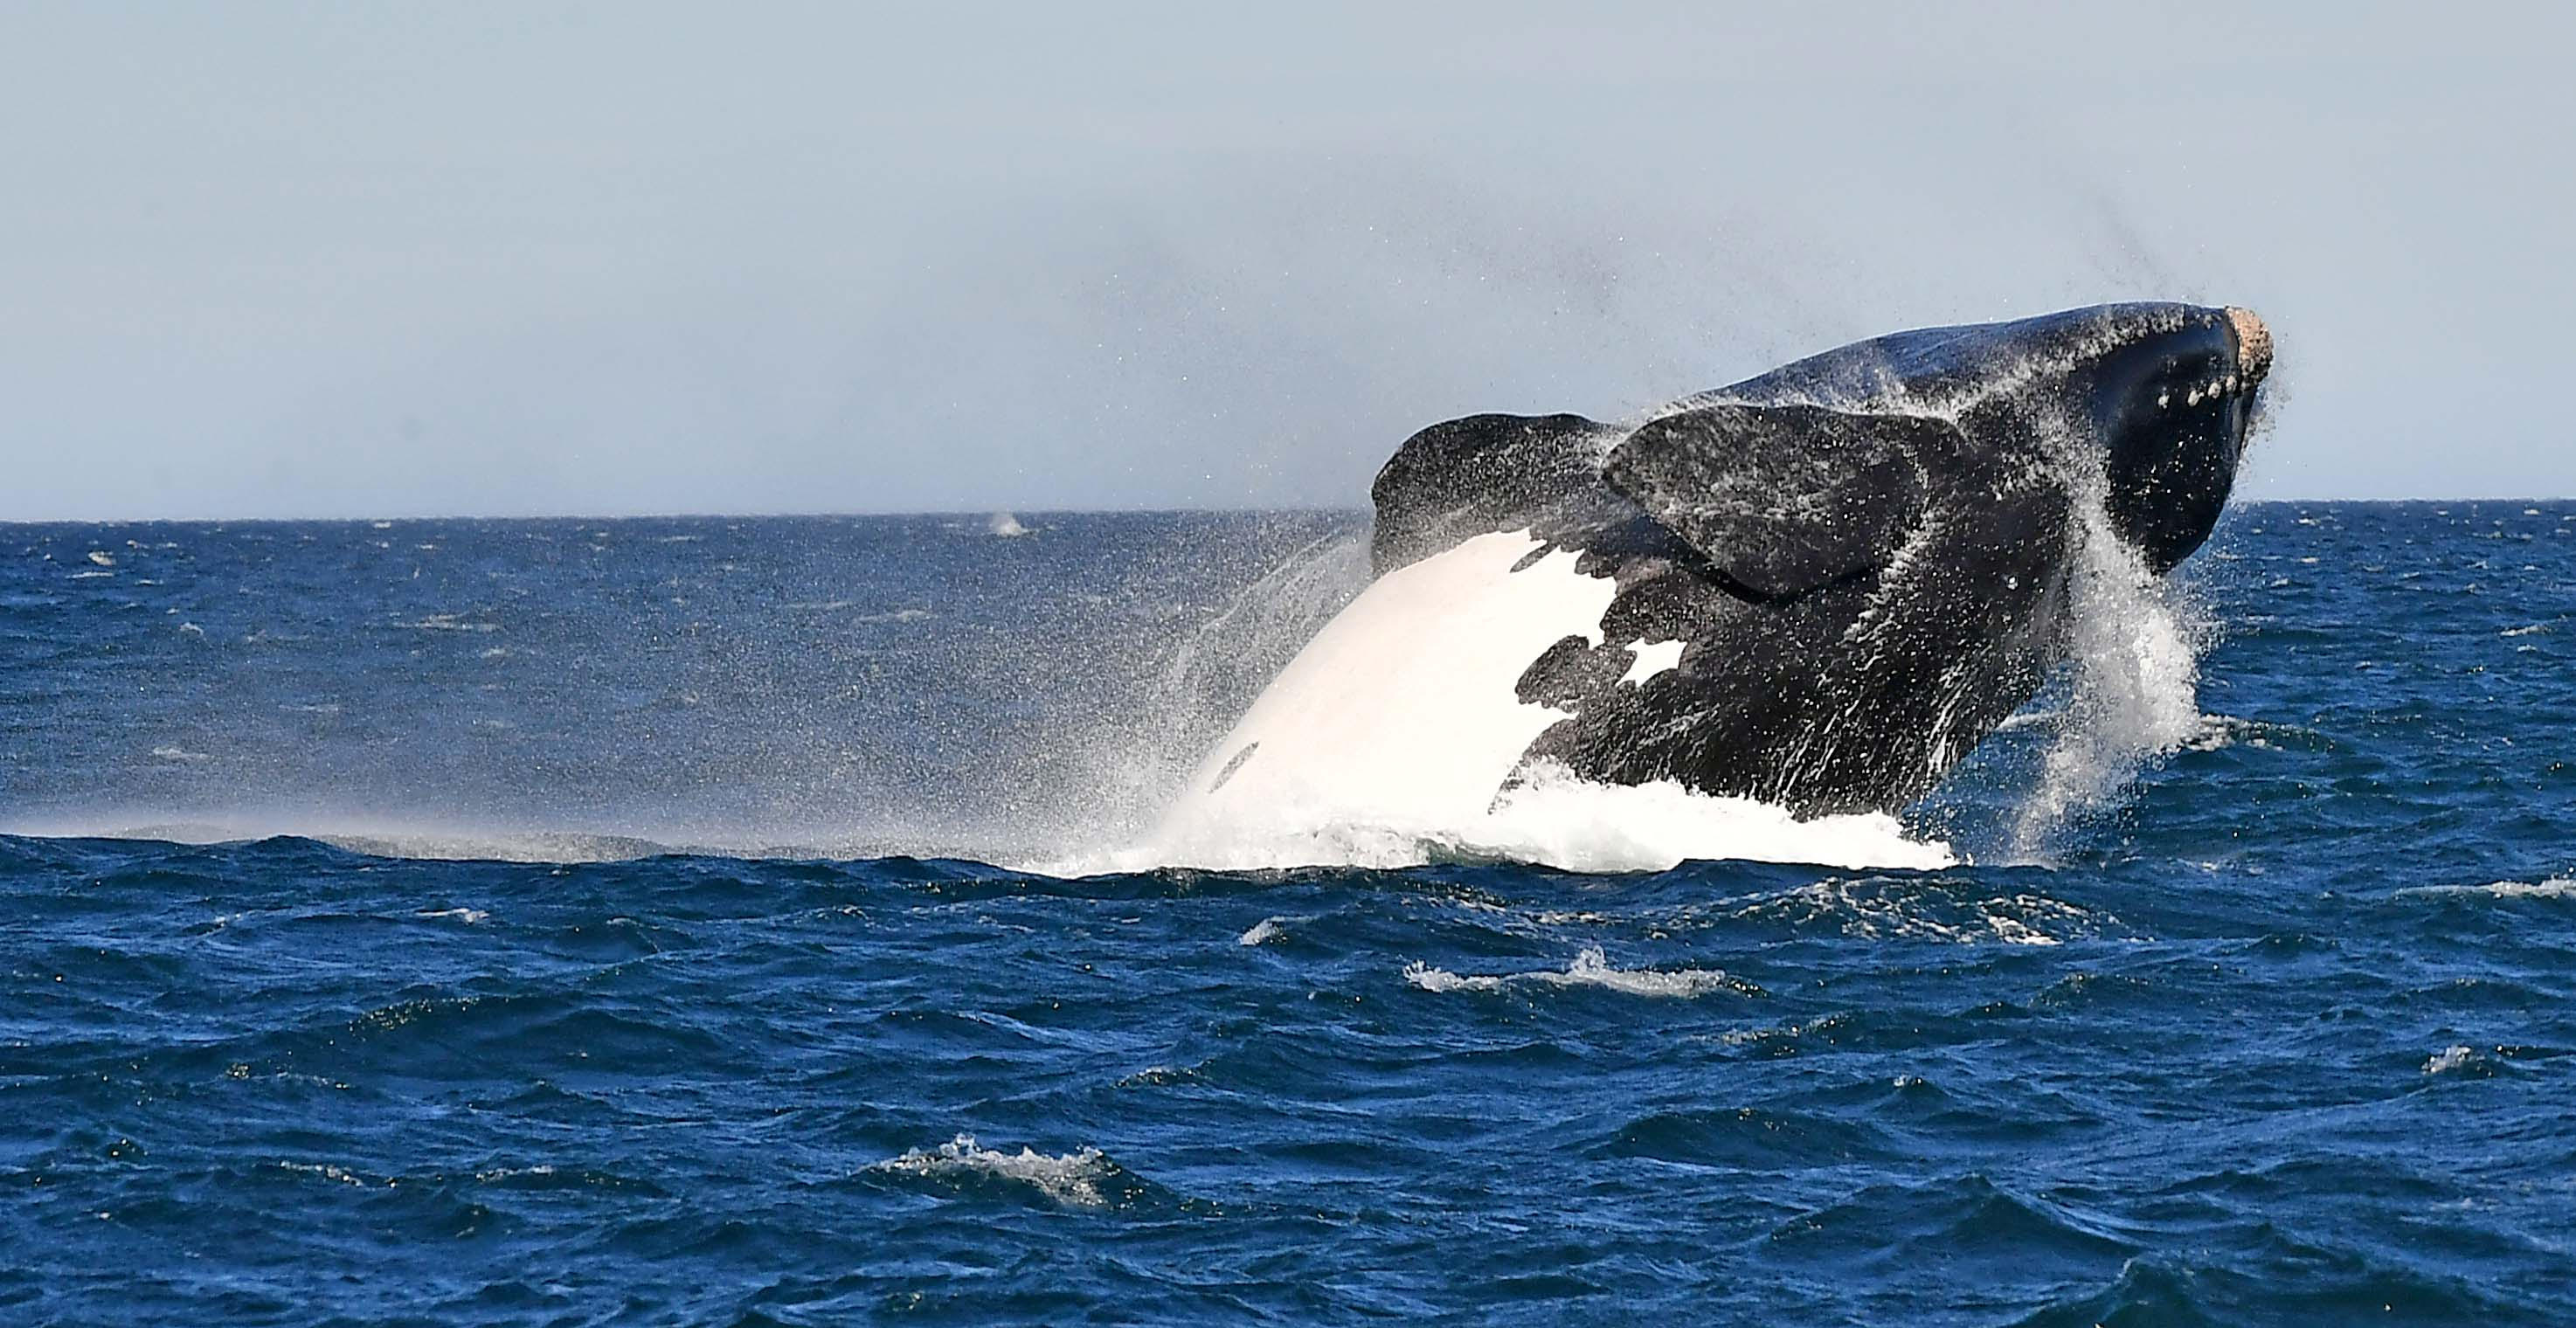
(314, 260)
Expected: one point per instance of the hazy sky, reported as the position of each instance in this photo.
(332, 259)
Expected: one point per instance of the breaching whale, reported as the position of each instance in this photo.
(1818, 588)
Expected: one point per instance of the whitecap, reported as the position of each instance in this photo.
(2555, 887)
(174, 753)
(2449, 1059)
(1262, 932)
(468, 916)
(1883, 910)
(331, 1172)
(451, 622)
(1068, 1178)
(1591, 968)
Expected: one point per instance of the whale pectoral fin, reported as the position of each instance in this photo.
(1783, 499)
(1480, 474)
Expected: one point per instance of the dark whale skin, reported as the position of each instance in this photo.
(1866, 554)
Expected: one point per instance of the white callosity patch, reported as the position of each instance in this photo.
(1652, 659)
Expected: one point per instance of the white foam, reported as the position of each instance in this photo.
(451, 622)
(1896, 910)
(2449, 1059)
(2556, 887)
(331, 1172)
(469, 916)
(1005, 525)
(1553, 819)
(1591, 968)
(1261, 932)
(1068, 1178)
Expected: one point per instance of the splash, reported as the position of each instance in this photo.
(1551, 818)
(2134, 642)
(1133, 766)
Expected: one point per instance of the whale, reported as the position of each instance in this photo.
(1818, 588)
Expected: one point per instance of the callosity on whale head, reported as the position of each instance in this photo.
(1819, 587)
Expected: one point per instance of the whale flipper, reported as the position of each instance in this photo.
(1785, 499)
(1482, 473)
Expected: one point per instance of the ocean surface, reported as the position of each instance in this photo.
(757, 922)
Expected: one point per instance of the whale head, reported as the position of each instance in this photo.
(2155, 400)
(2171, 407)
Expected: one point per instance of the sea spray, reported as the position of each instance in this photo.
(1210, 668)
(2134, 641)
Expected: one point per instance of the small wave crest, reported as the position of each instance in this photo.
(1081, 1178)
(1591, 968)
(1883, 910)
(2555, 887)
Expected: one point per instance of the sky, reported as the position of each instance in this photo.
(272, 260)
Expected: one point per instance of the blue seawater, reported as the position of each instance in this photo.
(563, 922)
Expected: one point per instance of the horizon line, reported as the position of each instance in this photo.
(1290, 510)
(1070, 513)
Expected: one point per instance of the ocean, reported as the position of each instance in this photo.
(763, 921)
